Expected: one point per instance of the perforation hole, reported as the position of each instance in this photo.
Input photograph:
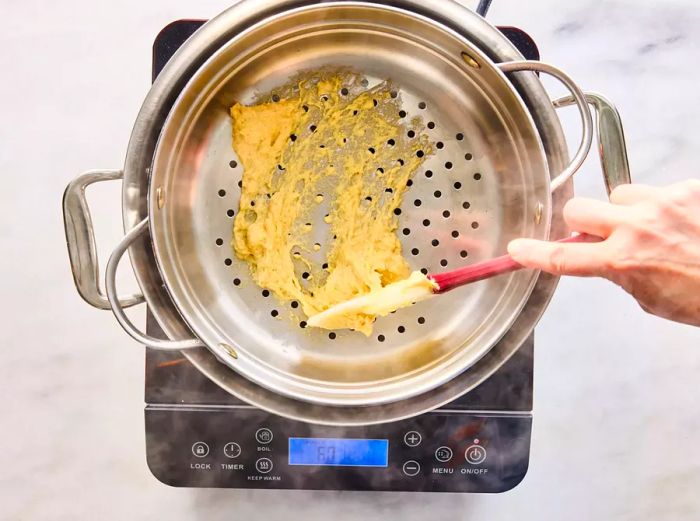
(266, 293)
(420, 153)
(222, 193)
(417, 202)
(401, 329)
(455, 234)
(275, 98)
(228, 262)
(446, 214)
(406, 231)
(233, 163)
(295, 304)
(409, 183)
(457, 185)
(466, 205)
(219, 242)
(415, 251)
(428, 174)
(435, 243)
(421, 320)
(402, 113)
(443, 262)
(459, 136)
(431, 125)
(411, 134)
(397, 211)
(381, 338)
(274, 313)
(302, 324)
(230, 212)
(424, 271)
(468, 157)
(440, 145)
(394, 94)
(437, 194)
(344, 91)
(332, 335)
(477, 176)
(463, 254)
(236, 282)
(475, 225)
(426, 222)
(448, 165)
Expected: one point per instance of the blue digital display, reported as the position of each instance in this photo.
(338, 452)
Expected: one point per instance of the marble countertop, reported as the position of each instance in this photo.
(617, 422)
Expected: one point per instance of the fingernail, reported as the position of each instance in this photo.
(515, 247)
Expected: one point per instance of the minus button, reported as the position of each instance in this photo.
(411, 468)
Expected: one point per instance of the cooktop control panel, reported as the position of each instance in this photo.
(244, 447)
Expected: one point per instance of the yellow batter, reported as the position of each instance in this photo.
(378, 302)
(326, 163)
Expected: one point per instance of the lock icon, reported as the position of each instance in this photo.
(200, 449)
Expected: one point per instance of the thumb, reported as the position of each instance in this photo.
(582, 259)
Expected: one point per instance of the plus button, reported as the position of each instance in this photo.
(412, 438)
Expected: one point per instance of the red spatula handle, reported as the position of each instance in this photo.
(448, 280)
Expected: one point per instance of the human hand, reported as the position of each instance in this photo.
(651, 246)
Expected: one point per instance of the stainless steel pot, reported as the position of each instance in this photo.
(451, 67)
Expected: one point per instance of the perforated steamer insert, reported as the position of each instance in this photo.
(189, 416)
(466, 107)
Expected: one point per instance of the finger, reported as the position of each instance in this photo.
(593, 216)
(629, 194)
(581, 259)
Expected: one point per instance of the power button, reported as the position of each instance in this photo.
(475, 454)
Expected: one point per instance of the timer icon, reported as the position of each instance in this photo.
(232, 450)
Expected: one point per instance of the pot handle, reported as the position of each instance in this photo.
(611, 139)
(577, 97)
(118, 309)
(80, 239)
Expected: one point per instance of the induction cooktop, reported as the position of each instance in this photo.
(198, 435)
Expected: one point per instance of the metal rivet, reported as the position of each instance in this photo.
(470, 61)
(160, 197)
(229, 350)
(538, 213)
